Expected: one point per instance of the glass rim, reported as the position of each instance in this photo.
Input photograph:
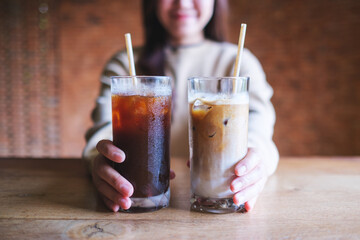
(139, 76)
(217, 78)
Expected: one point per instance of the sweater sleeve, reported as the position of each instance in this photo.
(262, 113)
(101, 114)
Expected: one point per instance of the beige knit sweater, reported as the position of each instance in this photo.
(205, 59)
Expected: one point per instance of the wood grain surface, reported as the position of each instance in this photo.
(313, 197)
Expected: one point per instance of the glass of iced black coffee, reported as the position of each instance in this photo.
(141, 118)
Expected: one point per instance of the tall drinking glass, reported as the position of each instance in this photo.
(218, 128)
(141, 118)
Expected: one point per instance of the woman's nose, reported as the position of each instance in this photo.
(185, 3)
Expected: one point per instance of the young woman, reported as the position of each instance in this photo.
(185, 38)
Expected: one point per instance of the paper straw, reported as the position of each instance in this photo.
(240, 49)
(130, 54)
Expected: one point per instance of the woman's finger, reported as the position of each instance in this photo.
(107, 148)
(125, 203)
(249, 205)
(248, 179)
(250, 192)
(110, 204)
(248, 163)
(106, 190)
(112, 198)
(113, 178)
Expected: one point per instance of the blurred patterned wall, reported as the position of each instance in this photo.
(52, 53)
(29, 79)
(311, 54)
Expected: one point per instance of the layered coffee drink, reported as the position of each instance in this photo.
(141, 128)
(218, 128)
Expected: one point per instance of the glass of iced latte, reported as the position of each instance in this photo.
(218, 127)
(141, 118)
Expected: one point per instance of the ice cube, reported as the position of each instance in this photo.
(139, 107)
(200, 105)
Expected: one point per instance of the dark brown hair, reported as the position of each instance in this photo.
(152, 58)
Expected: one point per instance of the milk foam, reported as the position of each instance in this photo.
(221, 99)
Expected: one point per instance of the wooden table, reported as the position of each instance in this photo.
(314, 198)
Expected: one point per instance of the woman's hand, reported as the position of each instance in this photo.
(114, 189)
(251, 178)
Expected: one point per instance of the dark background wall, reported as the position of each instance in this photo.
(52, 53)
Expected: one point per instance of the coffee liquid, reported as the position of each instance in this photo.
(218, 135)
(141, 128)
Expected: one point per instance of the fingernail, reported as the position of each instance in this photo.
(124, 190)
(116, 208)
(237, 186)
(119, 155)
(125, 204)
(241, 170)
(240, 200)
